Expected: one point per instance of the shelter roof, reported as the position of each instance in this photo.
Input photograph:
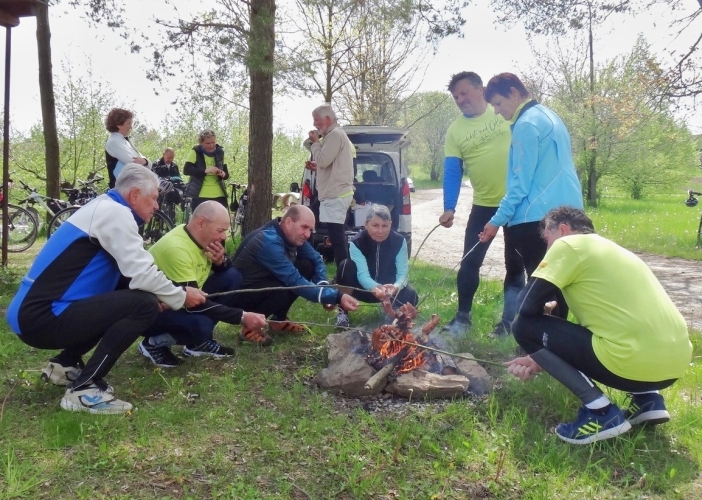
(12, 10)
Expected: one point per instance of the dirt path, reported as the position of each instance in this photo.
(681, 278)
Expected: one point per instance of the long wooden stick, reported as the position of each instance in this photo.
(449, 353)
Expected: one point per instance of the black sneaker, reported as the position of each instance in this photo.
(208, 348)
(459, 325)
(160, 356)
(500, 331)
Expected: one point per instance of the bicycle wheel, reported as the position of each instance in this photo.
(22, 229)
(58, 219)
(154, 230)
(237, 221)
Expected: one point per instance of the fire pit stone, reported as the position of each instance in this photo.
(349, 371)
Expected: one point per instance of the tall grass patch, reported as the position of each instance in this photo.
(660, 224)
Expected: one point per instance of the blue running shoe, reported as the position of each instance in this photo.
(647, 409)
(591, 426)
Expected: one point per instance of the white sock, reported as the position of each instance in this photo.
(599, 403)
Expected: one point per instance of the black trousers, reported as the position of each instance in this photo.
(525, 239)
(468, 277)
(271, 302)
(111, 321)
(337, 236)
(347, 275)
(564, 350)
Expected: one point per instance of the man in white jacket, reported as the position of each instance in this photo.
(70, 298)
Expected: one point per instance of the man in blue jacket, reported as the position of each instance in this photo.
(278, 255)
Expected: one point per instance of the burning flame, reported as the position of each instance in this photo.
(388, 342)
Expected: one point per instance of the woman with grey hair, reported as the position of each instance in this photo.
(207, 170)
(379, 264)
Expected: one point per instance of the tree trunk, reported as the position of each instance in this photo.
(260, 64)
(48, 104)
(592, 159)
(592, 181)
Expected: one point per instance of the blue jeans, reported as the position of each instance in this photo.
(468, 278)
(189, 328)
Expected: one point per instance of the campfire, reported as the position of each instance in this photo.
(401, 359)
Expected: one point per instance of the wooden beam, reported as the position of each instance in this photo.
(8, 20)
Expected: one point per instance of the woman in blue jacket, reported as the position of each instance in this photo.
(379, 265)
(540, 173)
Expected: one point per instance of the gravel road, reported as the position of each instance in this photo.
(681, 278)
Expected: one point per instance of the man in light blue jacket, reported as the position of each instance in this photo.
(540, 173)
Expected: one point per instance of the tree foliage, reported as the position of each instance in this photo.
(638, 142)
(557, 17)
(428, 116)
(365, 55)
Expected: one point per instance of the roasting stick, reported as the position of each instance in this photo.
(446, 353)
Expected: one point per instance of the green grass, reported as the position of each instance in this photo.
(660, 224)
(256, 427)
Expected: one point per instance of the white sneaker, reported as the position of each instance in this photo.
(93, 400)
(58, 374)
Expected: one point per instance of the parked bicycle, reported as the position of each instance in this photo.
(34, 199)
(77, 197)
(237, 208)
(84, 194)
(152, 231)
(21, 227)
(173, 201)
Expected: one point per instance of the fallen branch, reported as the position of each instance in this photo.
(379, 377)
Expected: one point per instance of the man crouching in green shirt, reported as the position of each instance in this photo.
(194, 255)
(629, 336)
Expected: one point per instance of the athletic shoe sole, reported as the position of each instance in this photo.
(599, 436)
(197, 354)
(146, 353)
(653, 417)
(71, 406)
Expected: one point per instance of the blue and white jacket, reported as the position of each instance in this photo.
(540, 174)
(86, 257)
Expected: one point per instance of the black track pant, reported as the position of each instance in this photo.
(337, 236)
(271, 302)
(468, 277)
(564, 350)
(111, 321)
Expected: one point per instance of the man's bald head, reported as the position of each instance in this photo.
(209, 223)
(210, 209)
(297, 224)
